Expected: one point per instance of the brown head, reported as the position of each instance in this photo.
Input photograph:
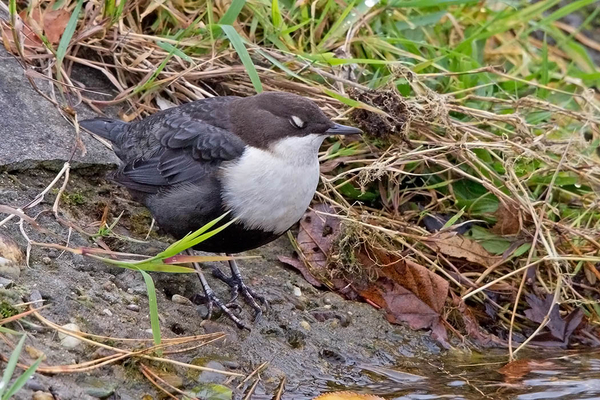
(266, 118)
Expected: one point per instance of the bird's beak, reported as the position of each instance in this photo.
(338, 129)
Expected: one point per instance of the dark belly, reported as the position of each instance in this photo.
(236, 239)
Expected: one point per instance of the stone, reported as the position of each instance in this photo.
(106, 311)
(29, 118)
(133, 307)
(9, 269)
(297, 291)
(5, 283)
(47, 260)
(39, 395)
(211, 376)
(181, 300)
(67, 341)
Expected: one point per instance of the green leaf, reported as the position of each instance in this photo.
(153, 305)
(22, 380)
(174, 50)
(454, 218)
(11, 365)
(276, 14)
(232, 12)
(63, 45)
(240, 48)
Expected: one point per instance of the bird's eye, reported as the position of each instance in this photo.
(296, 122)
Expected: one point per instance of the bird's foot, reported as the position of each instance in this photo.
(239, 287)
(211, 300)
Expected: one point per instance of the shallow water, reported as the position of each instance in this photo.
(539, 375)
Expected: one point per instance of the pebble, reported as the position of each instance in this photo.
(9, 269)
(67, 341)
(107, 312)
(5, 283)
(305, 325)
(210, 376)
(35, 353)
(133, 307)
(33, 385)
(297, 291)
(47, 260)
(181, 300)
(108, 286)
(39, 395)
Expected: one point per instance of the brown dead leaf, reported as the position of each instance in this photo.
(408, 292)
(453, 245)
(301, 267)
(509, 220)
(315, 241)
(55, 23)
(560, 328)
(519, 368)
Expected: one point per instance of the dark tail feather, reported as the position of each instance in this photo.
(110, 129)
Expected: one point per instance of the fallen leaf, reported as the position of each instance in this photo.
(453, 245)
(519, 368)
(560, 328)
(55, 23)
(408, 292)
(508, 221)
(301, 267)
(315, 241)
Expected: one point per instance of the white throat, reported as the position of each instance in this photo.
(271, 189)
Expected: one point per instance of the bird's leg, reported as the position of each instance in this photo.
(212, 299)
(238, 286)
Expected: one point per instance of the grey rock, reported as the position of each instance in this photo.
(5, 283)
(34, 133)
(181, 300)
(210, 376)
(133, 307)
(9, 269)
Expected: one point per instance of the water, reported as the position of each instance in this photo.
(538, 375)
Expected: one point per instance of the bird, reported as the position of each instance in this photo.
(254, 158)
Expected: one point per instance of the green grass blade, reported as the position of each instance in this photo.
(276, 14)
(240, 48)
(429, 3)
(22, 380)
(11, 365)
(153, 305)
(232, 12)
(174, 50)
(67, 35)
(182, 244)
(454, 218)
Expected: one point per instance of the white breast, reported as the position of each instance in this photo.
(271, 189)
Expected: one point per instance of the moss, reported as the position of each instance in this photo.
(140, 222)
(7, 310)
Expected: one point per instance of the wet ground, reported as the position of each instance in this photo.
(315, 339)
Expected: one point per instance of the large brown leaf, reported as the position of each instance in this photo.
(457, 246)
(55, 23)
(407, 291)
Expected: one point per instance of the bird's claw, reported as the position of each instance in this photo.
(211, 300)
(238, 286)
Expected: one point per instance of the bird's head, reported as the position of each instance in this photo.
(266, 119)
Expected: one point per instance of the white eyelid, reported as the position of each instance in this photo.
(297, 122)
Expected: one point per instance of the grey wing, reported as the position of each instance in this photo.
(182, 149)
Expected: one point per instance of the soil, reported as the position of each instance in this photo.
(314, 340)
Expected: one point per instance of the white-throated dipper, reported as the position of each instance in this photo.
(253, 156)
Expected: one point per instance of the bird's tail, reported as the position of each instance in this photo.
(107, 128)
